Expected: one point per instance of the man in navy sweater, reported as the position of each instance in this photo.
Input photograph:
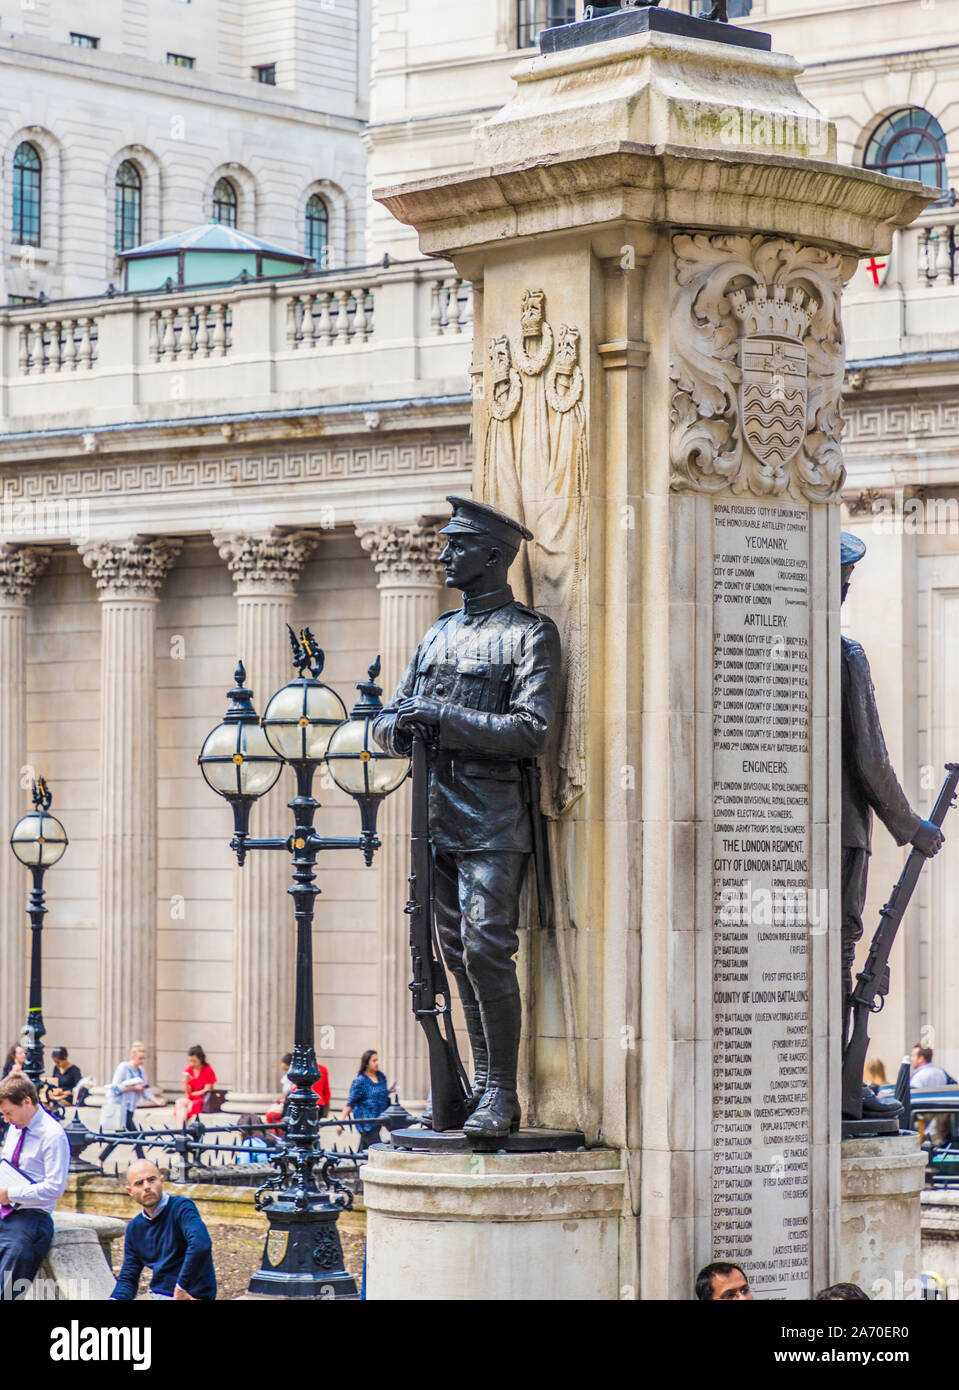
(168, 1236)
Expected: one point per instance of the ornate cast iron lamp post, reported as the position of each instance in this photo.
(38, 840)
(304, 725)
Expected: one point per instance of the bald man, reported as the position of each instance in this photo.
(169, 1237)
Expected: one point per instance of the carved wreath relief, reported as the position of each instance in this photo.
(758, 361)
(535, 465)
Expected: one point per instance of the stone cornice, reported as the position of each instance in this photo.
(317, 429)
(20, 567)
(265, 563)
(130, 569)
(854, 209)
(404, 553)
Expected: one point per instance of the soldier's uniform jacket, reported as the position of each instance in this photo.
(868, 781)
(494, 666)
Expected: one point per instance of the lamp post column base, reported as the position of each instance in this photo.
(303, 1257)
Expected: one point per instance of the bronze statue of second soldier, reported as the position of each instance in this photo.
(868, 784)
(481, 688)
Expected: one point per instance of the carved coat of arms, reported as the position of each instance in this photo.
(774, 365)
(757, 365)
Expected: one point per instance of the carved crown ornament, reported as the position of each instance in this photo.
(757, 366)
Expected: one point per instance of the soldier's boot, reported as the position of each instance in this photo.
(498, 1112)
(474, 1029)
(477, 1037)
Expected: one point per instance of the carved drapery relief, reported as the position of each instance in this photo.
(409, 554)
(20, 567)
(757, 363)
(130, 569)
(265, 563)
(535, 466)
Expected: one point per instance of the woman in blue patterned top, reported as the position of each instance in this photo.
(369, 1096)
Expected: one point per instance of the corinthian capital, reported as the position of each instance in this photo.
(404, 553)
(266, 562)
(130, 569)
(20, 566)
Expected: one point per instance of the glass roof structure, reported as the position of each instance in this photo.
(211, 254)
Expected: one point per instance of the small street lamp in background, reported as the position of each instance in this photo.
(38, 840)
(304, 725)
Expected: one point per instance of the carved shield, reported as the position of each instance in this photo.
(276, 1243)
(772, 397)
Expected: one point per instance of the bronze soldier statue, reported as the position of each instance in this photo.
(868, 784)
(481, 688)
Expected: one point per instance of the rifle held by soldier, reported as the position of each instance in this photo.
(872, 982)
(429, 986)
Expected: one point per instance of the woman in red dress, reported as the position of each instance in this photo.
(198, 1078)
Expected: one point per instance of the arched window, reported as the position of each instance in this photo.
(317, 230)
(27, 172)
(224, 203)
(909, 144)
(128, 203)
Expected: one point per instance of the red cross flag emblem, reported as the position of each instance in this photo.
(877, 269)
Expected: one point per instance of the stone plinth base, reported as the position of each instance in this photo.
(485, 1227)
(879, 1246)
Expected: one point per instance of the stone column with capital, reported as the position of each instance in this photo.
(19, 569)
(265, 567)
(128, 575)
(410, 586)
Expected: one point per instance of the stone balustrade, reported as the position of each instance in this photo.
(378, 330)
(51, 345)
(183, 331)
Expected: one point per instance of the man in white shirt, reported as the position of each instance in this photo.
(34, 1162)
(924, 1076)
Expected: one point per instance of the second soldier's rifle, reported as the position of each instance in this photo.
(430, 987)
(872, 982)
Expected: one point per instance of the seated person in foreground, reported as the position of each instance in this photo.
(169, 1236)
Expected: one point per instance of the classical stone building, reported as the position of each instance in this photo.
(182, 472)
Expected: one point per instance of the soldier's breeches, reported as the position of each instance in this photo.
(476, 901)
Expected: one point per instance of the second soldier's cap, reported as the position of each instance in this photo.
(477, 519)
(851, 548)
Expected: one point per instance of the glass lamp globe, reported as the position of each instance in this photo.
(236, 760)
(300, 718)
(359, 765)
(38, 840)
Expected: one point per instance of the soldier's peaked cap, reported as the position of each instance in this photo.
(851, 548)
(477, 519)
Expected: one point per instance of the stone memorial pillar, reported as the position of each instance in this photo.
(265, 569)
(128, 576)
(660, 232)
(19, 568)
(411, 597)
